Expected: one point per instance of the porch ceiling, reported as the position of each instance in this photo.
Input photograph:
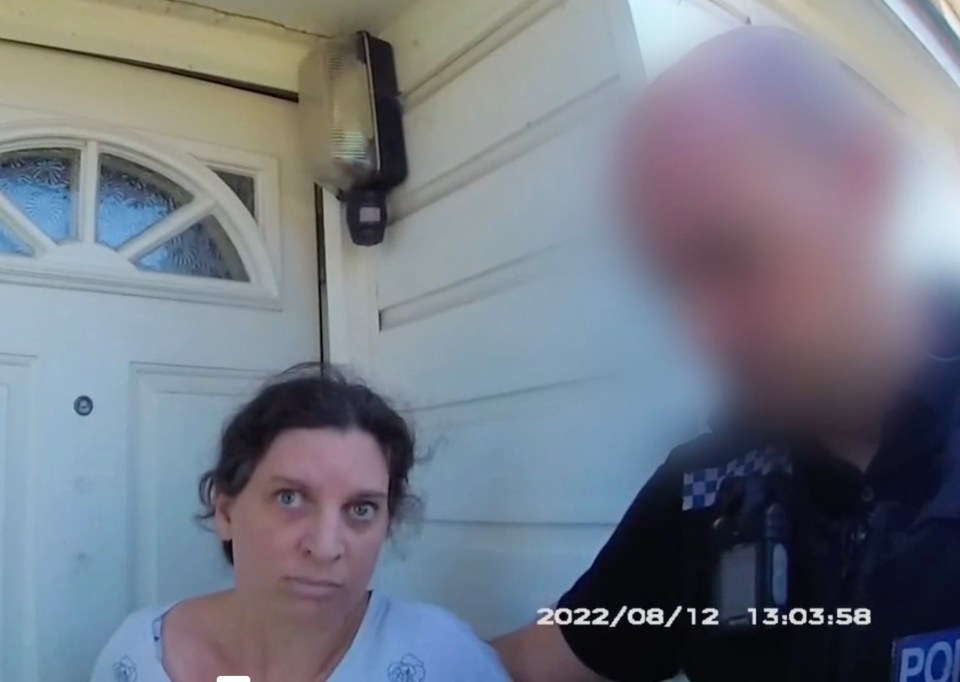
(257, 43)
(322, 17)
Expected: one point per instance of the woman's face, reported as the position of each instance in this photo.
(309, 525)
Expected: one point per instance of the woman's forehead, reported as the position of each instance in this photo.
(326, 458)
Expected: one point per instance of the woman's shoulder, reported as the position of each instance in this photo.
(445, 638)
(133, 650)
(427, 616)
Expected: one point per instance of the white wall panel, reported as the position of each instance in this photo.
(497, 574)
(500, 313)
(563, 55)
(529, 203)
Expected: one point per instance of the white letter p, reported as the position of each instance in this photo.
(911, 663)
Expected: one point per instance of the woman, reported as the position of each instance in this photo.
(311, 477)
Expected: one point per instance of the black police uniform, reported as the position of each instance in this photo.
(887, 540)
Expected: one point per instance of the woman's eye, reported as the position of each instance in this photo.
(363, 511)
(290, 499)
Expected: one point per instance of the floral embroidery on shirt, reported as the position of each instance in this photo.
(408, 669)
(125, 670)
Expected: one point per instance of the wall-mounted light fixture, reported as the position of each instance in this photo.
(352, 128)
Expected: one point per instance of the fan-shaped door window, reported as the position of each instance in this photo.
(42, 184)
(128, 211)
(131, 199)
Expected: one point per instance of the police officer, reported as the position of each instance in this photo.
(814, 533)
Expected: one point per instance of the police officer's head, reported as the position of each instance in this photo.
(758, 178)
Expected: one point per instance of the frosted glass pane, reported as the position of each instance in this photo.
(43, 184)
(10, 242)
(203, 250)
(243, 186)
(131, 198)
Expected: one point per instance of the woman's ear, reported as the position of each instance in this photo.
(222, 514)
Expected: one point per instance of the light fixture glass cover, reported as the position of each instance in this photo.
(337, 116)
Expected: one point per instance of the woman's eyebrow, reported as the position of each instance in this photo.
(371, 494)
(283, 480)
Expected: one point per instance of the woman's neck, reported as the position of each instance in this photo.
(274, 648)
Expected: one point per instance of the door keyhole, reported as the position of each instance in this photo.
(83, 405)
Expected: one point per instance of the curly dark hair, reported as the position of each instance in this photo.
(310, 396)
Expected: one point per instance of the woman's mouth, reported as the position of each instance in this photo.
(313, 587)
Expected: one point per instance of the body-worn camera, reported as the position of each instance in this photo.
(751, 536)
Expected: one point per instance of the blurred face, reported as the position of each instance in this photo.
(767, 243)
(308, 527)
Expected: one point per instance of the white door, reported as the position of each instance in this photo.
(157, 260)
(491, 315)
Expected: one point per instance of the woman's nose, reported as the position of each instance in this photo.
(323, 537)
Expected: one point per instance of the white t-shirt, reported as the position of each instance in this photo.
(397, 642)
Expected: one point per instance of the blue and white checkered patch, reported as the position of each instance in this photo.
(700, 487)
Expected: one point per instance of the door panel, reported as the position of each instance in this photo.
(175, 424)
(98, 508)
(17, 475)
